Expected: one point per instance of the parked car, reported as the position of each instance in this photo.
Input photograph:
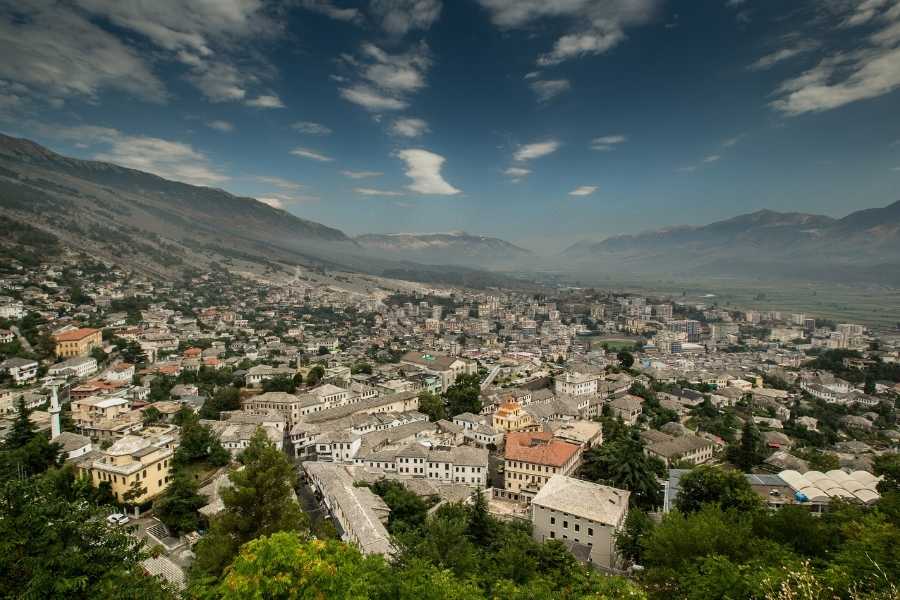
(117, 519)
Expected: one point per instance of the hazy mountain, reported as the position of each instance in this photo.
(864, 245)
(456, 247)
(161, 226)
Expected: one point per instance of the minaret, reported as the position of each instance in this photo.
(55, 428)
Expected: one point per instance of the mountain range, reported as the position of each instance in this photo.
(863, 246)
(161, 226)
(455, 247)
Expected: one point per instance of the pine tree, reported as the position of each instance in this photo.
(22, 429)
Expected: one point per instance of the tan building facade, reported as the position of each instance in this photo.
(77, 342)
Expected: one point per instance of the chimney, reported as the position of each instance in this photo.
(55, 428)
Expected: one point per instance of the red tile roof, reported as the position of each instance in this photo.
(75, 334)
(538, 448)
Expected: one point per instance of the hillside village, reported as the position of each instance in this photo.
(458, 395)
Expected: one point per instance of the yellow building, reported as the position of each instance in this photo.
(511, 417)
(145, 459)
(77, 342)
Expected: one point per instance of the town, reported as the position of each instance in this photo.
(580, 412)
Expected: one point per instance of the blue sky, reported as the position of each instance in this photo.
(540, 121)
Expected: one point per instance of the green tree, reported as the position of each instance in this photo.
(315, 375)
(135, 491)
(361, 367)
(260, 501)
(621, 463)
(178, 505)
(750, 451)
(284, 565)
(53, 547)
(464, 395)
(638, 525)
(152, 415)
(22, 429)
(888, 467)
(198, 442)
(432, 405)
(626, 359)
(226, 397)
(706, 484)
(279, 384)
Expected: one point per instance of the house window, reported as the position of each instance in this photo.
(590, 531)
(577, 528)
(565, 524)
(553, 534)
(553, 520)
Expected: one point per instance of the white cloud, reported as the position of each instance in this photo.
(200, 34)
(398, 17)
(868, 69)
(687, 169)
(266, 101)
(869, 74)
(773, 58)
(896, 169)
(171, 160)
(549, 89)
(282, 201)
(732, 141)
(371, 99)
(223, 126)
(424, 168)
(386, 80)
(516, 174)
(374, 192)
(536, 150)
(310, 128)
(574, 45)
(584, 190)
(711, 158)
(312, 154)
(409, 127)
(361, 174)
(532, 75)
(57, 53)
(279, 182)
(607, 142)
(327, 8)
(596, 25)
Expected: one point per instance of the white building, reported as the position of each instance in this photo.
(580, 513)
(80, 366)
(22, 370)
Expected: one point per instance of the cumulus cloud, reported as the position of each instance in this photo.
(549, 89)
(375, 192)
(516, 174)
(397, 17)
(424, 168)
(223, 126)
(311, 154)
(595, 25)
(361, 174)
(584, 190)
(536, 150)
(266, 101)
(606, 143)
(57, 53)
(409, 127)
(384, 81)
(310, 128)
(169, 159)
